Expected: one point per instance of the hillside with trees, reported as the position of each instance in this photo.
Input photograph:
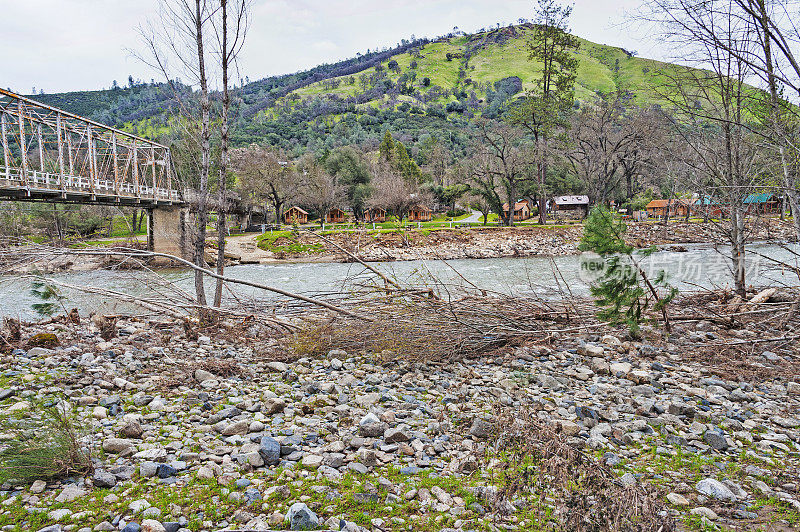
(437, 86)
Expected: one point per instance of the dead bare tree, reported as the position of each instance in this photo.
(767, 45)
(319, 189)
(393, 192)
(715, 109)
(265, 176)
(501, 167)
(178, 35)
(608, 143)
(230, 39)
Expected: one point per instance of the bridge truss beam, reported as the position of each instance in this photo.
(52, 155)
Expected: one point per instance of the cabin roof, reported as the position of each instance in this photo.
(764, 197)
(658, 203)
(572, 200)
(295, 208)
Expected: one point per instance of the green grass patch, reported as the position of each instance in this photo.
(286, 242)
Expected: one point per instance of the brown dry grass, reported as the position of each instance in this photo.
(569, 489)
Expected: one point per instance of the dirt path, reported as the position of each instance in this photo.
(244, 248)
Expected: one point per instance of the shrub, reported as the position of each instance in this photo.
(46, 340)
(46, 445)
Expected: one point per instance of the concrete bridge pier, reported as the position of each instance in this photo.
(169, 230)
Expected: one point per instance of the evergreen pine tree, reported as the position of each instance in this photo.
(623, 290)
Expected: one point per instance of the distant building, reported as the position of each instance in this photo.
(375, 215)
(335, 216)
(522, 210)
(420, 213)
(660, 208)
(708, 207)
(764, 203)
(571, 203)
(295, 214)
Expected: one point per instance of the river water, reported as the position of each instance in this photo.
(700, 266)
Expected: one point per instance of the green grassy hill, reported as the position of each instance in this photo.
(418, 90)
(476, 62)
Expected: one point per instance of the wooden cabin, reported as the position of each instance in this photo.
(420, 213)
(295, 214)
(660, 208)
(683, 207)
(764, 203)
(571, 203)
(522, 211)
(375, 215)
(708, 207)
(335, 216)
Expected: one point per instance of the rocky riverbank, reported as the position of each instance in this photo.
(426, 244)
(234, 432)
(485, 242)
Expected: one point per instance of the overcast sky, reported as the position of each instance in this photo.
(63, 45)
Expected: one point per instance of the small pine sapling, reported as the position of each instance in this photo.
(49, 296)
(623, 288)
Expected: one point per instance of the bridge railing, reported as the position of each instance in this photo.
(58, 183)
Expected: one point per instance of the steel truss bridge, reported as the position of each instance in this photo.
(55, 156)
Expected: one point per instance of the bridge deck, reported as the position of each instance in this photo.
(49, 187)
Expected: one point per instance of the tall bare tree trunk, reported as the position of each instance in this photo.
(205, 148)
(788, 179)
(542, 180)
(738, 251)
(223, 158)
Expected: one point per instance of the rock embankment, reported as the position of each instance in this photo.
(221, 433)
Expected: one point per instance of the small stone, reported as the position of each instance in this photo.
(481, 428)
(238, 427)
(396, 435)
(138, 506)
(270, 450)
(151, 525)
(205, 472)
(373, 430)
(312, 460)
(131, 429)
(58, 515)
(103, 479)
(70, 493)
(278, 367)
(274, 405)
(300, 517)
(117, 446)
(618, 368)
(677, 499)
(702, 511)
(715, 489)
(148, 469)
(165, 471)
(361, 469)
(201, 375)
(715, 440)
(38, 486)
